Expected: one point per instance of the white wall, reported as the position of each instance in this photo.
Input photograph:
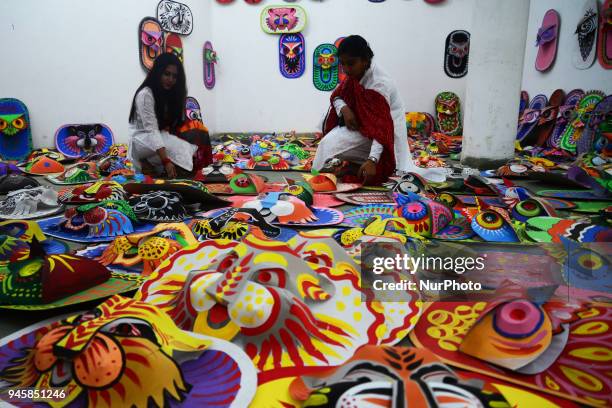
(407, 36)
(77, 61)
(562, 74)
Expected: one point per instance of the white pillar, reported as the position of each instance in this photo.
(497, 51)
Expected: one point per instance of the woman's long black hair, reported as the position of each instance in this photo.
(173, 100)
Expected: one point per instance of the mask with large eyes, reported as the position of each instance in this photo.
(146, 251)
(325, 67)
(281, 19)
(410, 182)
(268, 159)
(10, 125)
(448, 113)
(15, 132)
(159, 206)
(83, 140)
(43, 278)
(192, 109)
(105, 357)
(80, 173)
(282, 207)
(426, 217)
(525, 209)
(494, 225)
(393, 377)
(216, 173)
(105, 219)
(292, 61)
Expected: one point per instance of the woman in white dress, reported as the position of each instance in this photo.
(366, 122)
(156, 117)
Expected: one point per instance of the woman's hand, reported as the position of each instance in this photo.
(350, 120)
(367, 171)
(170, 170)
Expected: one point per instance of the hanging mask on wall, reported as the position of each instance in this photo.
(283, 20)
(175, 17)
(456, 54)
(165, 206)
(15, 132)
(80, 140)
(292, 55)
(579, 120)
(174, 45)
(325, 67)
(585, 47)
(210, 59)
(151, 40)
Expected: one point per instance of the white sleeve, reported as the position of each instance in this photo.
(145, 109)
(376, 150)
(338, 105)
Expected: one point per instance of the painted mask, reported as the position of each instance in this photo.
(93, 192)
(268, 160)
(81, 140)
(29, 203)
(15, 132)
(105, 357)
(42, 278)
(151, 41)
(245, 292)
(398, 377)
(493, 224)
(448, 113)
(325, 71)
(162, 206)
(192, 109)
(281, 207)
(175, 17)
(147, 250)
(234, 224)
(79, 173)
(112, 165)
(292, 57)
(282, 19)
(174, 45)
(105, 219)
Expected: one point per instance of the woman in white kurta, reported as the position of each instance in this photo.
(345, 138)
(157, 108)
